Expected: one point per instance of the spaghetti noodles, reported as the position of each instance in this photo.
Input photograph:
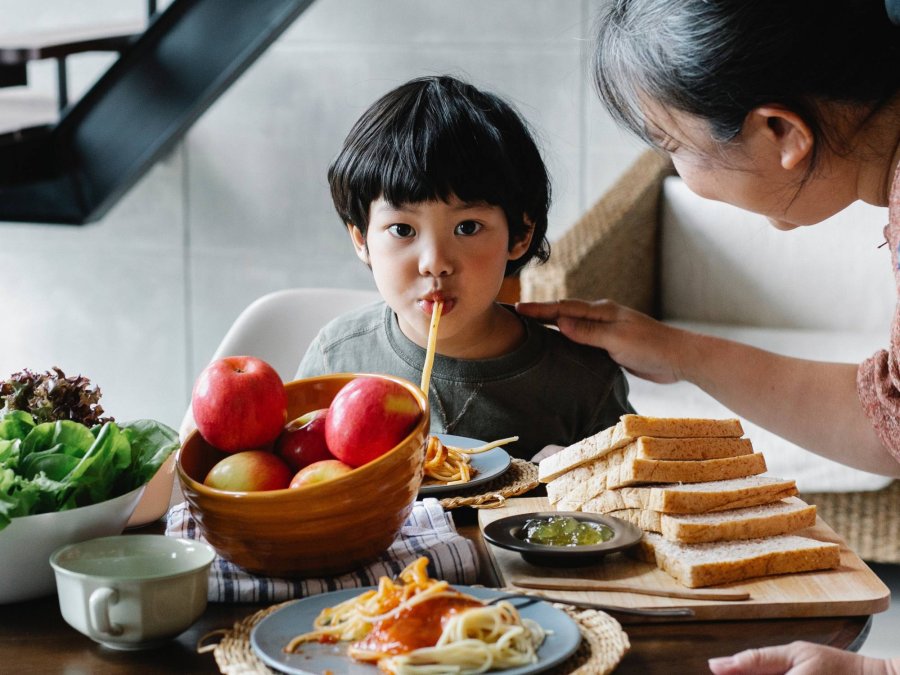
(490, 637)
(445, 464)
(353, 618)
(452, 465)
(422, 626)
(432, 345)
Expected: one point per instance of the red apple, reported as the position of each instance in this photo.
(368, 417)
(239, 403)
(319, 472)
(249, 471)
(302, 441)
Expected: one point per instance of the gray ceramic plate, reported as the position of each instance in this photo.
(270, 635)
(488, 465)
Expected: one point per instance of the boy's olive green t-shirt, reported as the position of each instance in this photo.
(549, 390)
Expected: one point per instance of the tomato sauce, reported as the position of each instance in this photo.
(418, 626)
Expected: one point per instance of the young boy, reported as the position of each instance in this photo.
(444, 194)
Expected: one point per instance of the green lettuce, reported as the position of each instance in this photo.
(55, 466)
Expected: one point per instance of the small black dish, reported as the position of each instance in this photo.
(509, 533)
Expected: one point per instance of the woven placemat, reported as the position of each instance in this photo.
(519, 478)
(602, 647)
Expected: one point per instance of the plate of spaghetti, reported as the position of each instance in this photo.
(415, 625)
(454, 462)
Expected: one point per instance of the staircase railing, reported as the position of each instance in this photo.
(74, 171)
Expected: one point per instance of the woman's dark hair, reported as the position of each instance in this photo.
(719, 59)
(435, 137)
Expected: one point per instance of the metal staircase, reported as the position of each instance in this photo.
(74, 171)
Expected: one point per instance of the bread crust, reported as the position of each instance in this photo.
(781, 517)
(634, 463)
(629, 428)
(694, 497)
(699, 565)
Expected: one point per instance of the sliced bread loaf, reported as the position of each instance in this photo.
(567, 505)
(718, 495)
(685, 449)
(629, 428)
(585, 450)
(767, 520)
(640, 458)
(698, 565)
(633, 470)
(680, 427)
(578, 485)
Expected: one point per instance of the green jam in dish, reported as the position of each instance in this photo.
(565, 531)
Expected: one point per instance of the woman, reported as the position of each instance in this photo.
(791, 110)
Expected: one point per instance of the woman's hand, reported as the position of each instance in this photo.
(801, 658)
(638, 343)
(788, 396)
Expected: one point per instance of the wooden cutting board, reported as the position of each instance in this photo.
(850, 590)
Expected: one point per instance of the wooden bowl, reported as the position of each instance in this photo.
(322, 529)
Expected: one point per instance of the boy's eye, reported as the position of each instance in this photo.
(468, 227)
(401, 230)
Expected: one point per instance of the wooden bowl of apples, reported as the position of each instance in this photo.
(329, 525)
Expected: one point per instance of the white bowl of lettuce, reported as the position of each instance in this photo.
(62, 482)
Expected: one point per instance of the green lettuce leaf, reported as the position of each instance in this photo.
(54, 466)
(94, 477)
(151, 445)
(20, 497)
(9, 453)
(15, 425)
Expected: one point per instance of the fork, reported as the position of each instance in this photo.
(633, 611)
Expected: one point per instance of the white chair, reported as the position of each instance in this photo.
(279, 326)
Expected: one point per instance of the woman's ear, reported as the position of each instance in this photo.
(520, 246)
(791, 135)
(359, 242)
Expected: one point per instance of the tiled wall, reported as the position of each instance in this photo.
(139, 301)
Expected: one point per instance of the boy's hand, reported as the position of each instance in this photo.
(546, 452)
(638, 343)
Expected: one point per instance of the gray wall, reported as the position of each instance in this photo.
(139, 301)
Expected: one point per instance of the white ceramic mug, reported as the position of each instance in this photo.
(132, 591)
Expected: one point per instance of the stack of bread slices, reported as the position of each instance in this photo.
(694, 487)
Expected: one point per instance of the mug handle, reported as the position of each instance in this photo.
(98, 605)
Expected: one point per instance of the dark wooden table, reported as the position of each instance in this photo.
(34, 638)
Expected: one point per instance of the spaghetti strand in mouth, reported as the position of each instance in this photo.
(446, 464)
(432, 345)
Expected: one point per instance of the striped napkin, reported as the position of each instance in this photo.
(428, 531)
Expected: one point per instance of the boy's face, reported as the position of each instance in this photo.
(449, 251)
